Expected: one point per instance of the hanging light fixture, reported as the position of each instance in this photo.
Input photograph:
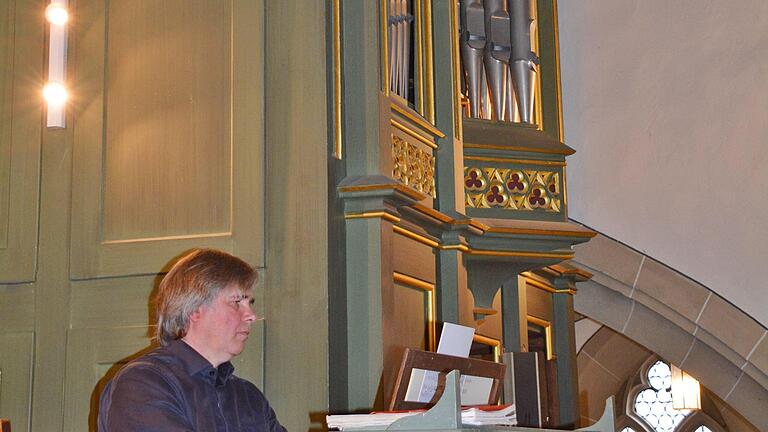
(55, 92)
(686, 390)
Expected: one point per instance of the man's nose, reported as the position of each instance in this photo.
(249, 315)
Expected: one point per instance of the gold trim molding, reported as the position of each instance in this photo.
(417, 119)
(370, 215)
(413, 133)
(547, 334)
(529, 280)
(337, 129)
(463, 248)
(494, 343)
(515, 161)
(565, 151)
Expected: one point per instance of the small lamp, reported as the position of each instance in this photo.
(54, 92)
(686, 391)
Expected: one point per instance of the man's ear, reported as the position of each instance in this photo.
(195, 316)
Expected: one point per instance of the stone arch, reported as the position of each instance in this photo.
(681, 320)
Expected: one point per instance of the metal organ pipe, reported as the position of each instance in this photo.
(472, 43)
(523, 63)
(498, 65)
(496, 55)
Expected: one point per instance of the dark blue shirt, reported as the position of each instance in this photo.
(173, 388)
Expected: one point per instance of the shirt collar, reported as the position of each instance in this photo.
(194, 363)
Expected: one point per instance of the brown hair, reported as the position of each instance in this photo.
(192, 282)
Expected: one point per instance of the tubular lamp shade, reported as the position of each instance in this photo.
(55, 92)
(686, 391)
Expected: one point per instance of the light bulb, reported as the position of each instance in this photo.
(56, 14)
(55, 94)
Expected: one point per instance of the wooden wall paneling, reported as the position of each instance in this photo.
(106, 303)
(17, 307)
(8, 26)
(154, 137)
(466, 304)
(408, 322)
(369, 245)
(16, 354)
(408, 306)
(413, 258)
(296, 277)
(490, 326)
(539, 302)
(93, 354)
(22, 36)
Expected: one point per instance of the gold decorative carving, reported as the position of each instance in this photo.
(413, 166)
(513, 189)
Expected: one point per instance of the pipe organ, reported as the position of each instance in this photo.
(498, 62)
(399, 29)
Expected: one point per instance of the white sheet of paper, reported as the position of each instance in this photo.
(455, 340)
(415, 382)
(423, 385)
(475, 390)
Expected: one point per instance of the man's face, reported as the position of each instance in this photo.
(221, 328)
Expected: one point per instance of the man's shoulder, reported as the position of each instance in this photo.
(158, 362)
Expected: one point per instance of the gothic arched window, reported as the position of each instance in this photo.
(649, 405)
(654, 404)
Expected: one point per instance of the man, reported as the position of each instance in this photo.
(186, 384)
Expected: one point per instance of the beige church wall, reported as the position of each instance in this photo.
(664, 103)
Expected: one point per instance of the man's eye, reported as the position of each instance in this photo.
(251, 301)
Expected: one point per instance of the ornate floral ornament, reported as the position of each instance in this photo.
(512, 189)
(413, 166)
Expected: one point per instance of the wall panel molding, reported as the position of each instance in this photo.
(21, 53)
(16, 378)
(93, 354)
(165, 156)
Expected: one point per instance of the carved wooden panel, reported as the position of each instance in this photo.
(21, 52)
(16, 378)
(167, 156)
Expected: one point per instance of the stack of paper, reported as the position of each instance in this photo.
(366, 421)
(496, 417)
(486, 416)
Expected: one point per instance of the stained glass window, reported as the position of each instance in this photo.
(701, 428)
(654, 405)
(629, 429)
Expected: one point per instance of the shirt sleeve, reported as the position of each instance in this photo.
(272, 423)
(260, 404)
(140, 398)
